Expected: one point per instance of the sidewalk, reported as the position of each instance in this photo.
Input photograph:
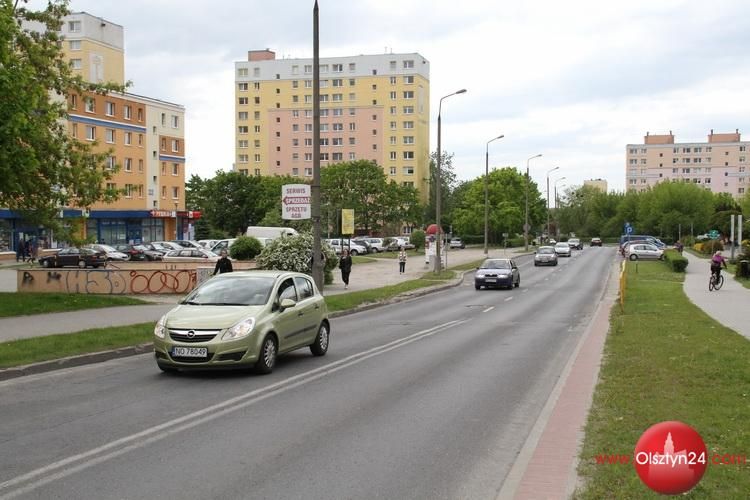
(727, 306)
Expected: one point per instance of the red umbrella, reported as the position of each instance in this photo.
(432, 229)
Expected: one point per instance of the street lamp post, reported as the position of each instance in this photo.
(486, 195)
(557, 203)
(526, 218)
(552, 170)
(438, 266)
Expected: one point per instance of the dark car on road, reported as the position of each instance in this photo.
(497, 273)
(75, 257)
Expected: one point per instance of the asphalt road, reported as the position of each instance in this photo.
(430, 398)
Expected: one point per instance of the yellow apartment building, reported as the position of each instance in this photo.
(372, 107)
(145, 137)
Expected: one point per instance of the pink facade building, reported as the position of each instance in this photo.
(719, 165)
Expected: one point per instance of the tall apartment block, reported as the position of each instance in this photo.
(599, 184)
(719, 165)
(372, 107)
(146, 137)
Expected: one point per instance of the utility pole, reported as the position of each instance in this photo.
(317, 262)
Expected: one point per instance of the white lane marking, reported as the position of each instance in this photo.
(488, 309)
(508, 298)
(525, 290)
(123, 445)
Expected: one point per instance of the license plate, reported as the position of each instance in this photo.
(490, 280)
(190, 352)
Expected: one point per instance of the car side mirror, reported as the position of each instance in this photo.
(286, 304)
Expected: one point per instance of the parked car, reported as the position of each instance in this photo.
(637, 251)
(376, 244)
(187, 243)
(110, 252)
(155, 247)
(243, 319)
(354, 248)
(207, 244)
(364, 243)
(190, 254)
(396, 243)
(139, 252)
(75, 257)
(168, 244)
(575, 244)
(596, 242)
(497, 273)
(457, 243)
(545, 256)
(223, 245)
(562, 249)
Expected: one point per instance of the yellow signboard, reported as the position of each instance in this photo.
(347, 221)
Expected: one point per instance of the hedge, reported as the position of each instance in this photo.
(708, 247)
(675, 261)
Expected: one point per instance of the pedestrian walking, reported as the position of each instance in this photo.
(223, 265)
(345, 264)
(19, 251)
(402, 261)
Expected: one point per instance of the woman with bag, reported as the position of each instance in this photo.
(402, 261)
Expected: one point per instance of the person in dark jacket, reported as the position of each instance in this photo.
(223, 265)
(345, 264)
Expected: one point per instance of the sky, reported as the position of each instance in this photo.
(575, 80)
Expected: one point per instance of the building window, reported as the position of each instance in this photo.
(408, 155)
(337, 156)
(242, 115)
(352, 156)
(163, 168)
(352, 126)
(352, 141)
(308, 157)
(175, 169)
(393, 125)
(242, 144)
(408, 125)
(175, 145)
(392, 140)
(409, 79)
(393, 156)
(392, 95)
(109, 135)
(242, 129)
(242, 87)
(128, 164)
(109, 108)
(140, 140)
(408, 110)
(74, 26)
(393, 171)
(140, 165)
(408, 170)
(90, 133)
(164, 192)
(111, 162)
(89, 105)
(408, 139)
(308, 127)
(337, 68)
(242, 72)
(408, 94)
(140, 115)
(175, 121)
(175, 193)
(408, 64)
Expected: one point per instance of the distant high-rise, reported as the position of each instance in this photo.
(373, 107)
(719, 165)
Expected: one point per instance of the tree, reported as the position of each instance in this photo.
(245, 248)
(448, 182)
(41, 168)
(233, 201)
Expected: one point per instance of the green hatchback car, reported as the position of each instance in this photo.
(243, 319)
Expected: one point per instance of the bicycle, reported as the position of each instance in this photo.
(715, 283)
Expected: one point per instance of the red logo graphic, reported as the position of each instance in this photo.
(670, 457)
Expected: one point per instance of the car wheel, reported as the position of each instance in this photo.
(536, 264)
(633, 256)
(477, 287)
(268, 352)
(320, 346)
(45, 263)
(354, 253)
(82, 264)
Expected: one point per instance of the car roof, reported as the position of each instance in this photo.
(260, 273)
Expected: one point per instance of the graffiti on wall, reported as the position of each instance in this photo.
(108, 282)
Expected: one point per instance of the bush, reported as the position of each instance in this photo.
(675, 261)
(245, 248)
(417, 239)
(517, 241)
(709, 247)
(292, 253)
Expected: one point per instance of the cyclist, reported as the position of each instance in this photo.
(716, 262)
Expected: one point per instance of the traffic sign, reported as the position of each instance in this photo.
(713, 234)
(629, 229)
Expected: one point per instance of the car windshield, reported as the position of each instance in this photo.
(496, 264)
(547, 250)
(562, 245)
(106, 248)
(140, 247)
(232, 291)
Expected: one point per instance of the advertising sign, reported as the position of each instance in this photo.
(295, 201)
(347, 221)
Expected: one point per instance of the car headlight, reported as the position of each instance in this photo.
(160, 330)
(240, 330)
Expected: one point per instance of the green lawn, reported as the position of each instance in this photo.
(34, 350)
(21, 304)
(344, 301)
(667, 360)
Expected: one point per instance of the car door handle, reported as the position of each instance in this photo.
(300, 313)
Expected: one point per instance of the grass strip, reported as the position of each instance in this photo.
(22, 304)
(665, 359)
(344, 301)
(34, 350)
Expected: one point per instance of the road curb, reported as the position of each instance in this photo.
(122, 352)
(73, 361)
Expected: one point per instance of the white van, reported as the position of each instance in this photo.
(269, 232)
